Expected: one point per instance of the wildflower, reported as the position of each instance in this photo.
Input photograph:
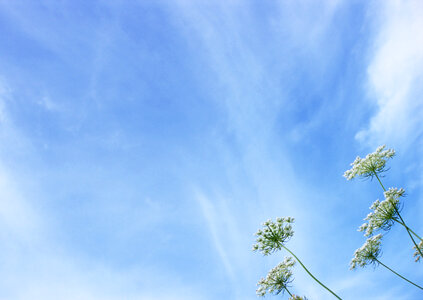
(270, 238)
(384, 213)
(417, 254)
(394, 193)
(368, 253)
(295, 297)
(273, 235)
(372, 164)
(277, 279)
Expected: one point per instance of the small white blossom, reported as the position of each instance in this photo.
(363, 227)
(277, 279)
(273, 235)
(417, 254)
(368, 253)
(394, 193)
(295, 297)
(384, 213)
(373, 163)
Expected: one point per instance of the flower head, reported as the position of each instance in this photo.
(273, 235)
(417, 255)
(295, 297)
(277, 279)
(372, 164)
(368, 253)
(384, 213)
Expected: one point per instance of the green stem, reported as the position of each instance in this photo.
(398, 274)
(415, 234)
(380, 181)
(288, 291)
(402, 220)
(310, 273)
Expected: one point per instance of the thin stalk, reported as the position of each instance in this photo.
(398, 274)
(379, 181)
(310, 273)
(415, 234)
(408, 231)
(402, 220)
(288, 291)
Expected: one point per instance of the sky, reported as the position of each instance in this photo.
(143, 143)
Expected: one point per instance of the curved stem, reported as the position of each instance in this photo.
(398, 274)
(402, 220)
(299, 261)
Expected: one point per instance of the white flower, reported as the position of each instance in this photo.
(363, 227)
(417, 254)
(384, 213)
(371, 164)
(277, 279)
(368, 253)
(295, 297)
(273, 235)
(393, 193)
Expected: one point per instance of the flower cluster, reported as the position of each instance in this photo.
(384, 213)
(273, 235)
(372, 164)
(417, 254)
(277, 279)
(295, 297)
(368, 253)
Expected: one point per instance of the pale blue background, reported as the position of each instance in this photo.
(142, 143)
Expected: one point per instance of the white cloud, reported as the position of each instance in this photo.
(395, 76)
(48, 104)
(213, 219)
(17, 217)
(226, 39)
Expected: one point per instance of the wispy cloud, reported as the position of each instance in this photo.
(395, 87)
(246, 65)
(395, 75)
(217, 225)
(17, 217)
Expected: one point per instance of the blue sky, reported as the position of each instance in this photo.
(144, 142)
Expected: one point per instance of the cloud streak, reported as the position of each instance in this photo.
(395, 76)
